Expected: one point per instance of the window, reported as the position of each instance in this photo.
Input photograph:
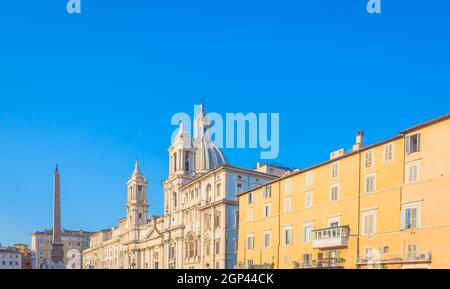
(235, 246)
(191, 247)
(410, 217)
(335, 170)
(309, 178)
(286, 260)
(369, 159)
(208, 193)
(208, 221)
(266, 210)
(412, 173)
(250, 242)
(412, 251)
(413, 143)
(140, 216)
(172, 252)
(306, 260)
(239, 188)
(267, 192)
(236, 219)
(287, 205)
(388, 152)
(369, 222)
(333, 222)
(267, 239)
(218, 190)
(287, 186)
(250, 198)
(308, 199)
(250, 215)
(307, 232)
(334, 193)
(217, 220)
(217, 246)
(208, 247)
(287, 235)
(370, 183)
(370, 254)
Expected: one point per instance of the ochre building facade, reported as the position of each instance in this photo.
(379, 206)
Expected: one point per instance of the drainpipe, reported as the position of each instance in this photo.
(359, 207)
(279, 224)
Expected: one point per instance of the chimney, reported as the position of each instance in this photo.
(359, 141)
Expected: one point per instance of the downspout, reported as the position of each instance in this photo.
(359, 207)
(279, 224)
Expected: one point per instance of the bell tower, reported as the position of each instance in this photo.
(137, 206)
(181, 156)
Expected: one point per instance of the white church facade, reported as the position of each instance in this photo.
(198, 228)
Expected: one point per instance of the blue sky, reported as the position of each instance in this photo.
(80, 89)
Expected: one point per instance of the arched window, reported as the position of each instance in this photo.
(186, 162)
(208, 193)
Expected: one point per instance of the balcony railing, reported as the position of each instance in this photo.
(331, 237)
(396, 259)
(255, 266)
(326, 263)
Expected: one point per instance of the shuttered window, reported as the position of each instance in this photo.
(412, 143)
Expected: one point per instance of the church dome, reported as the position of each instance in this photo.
(210, 157)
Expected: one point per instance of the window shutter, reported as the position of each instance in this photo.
(418, 142)
(408, 146)
(414, 218)
(365, 225)
(402, 219)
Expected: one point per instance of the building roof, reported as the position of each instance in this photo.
(9, 250)
(65, 232)
(399, 136)
(425, 124)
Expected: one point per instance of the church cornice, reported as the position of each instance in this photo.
(227, 167)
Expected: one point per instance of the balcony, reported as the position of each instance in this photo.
(336, 237)
(409, 258)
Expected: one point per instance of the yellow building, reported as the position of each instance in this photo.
(385, 205)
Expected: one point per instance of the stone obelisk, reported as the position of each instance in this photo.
(57, 253)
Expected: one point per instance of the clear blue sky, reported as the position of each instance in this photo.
(79, 89)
